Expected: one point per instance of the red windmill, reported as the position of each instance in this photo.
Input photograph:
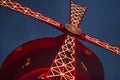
(73, 61)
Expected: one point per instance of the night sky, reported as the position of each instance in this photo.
(102, 21)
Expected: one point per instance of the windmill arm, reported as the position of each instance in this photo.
(29, 12)
(76, 13)
(100, 43)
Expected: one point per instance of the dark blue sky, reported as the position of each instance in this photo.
(102, 21)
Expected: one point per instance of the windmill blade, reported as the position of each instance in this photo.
(100, 43)
(13, 5)
(76, 13)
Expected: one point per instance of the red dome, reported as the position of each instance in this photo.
(32, 60)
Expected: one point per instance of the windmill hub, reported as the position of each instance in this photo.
(73, 29)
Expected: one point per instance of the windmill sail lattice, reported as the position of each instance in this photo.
(29, 12)
(76, 13)
(63, 67)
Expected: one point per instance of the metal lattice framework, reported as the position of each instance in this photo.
(103, 44)
(27, 11)
(64, 64)
(77, 12)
